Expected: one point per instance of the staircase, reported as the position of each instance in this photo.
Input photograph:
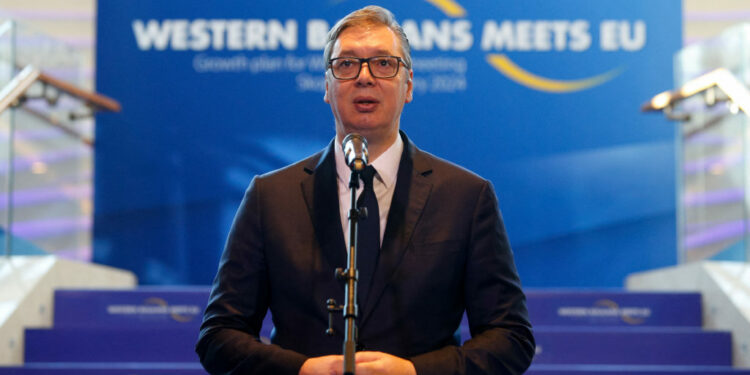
(152, 330)
(145, 331)
(617, 332)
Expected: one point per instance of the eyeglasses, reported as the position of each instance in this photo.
(379, 66)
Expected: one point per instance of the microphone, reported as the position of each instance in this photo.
(355, 151)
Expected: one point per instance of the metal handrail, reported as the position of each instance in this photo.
(720, 78)
(93, 99)
(14, 91)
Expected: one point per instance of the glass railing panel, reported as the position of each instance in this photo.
(50, 204)
(713, 156)
(7, 71)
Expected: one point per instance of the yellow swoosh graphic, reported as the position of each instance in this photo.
(506, 66)
(449, 7)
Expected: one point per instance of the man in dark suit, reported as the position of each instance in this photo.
(444, 248)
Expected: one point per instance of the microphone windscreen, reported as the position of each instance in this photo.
(355, 151)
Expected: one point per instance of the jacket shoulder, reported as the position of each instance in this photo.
(443, 170)
(299, 169)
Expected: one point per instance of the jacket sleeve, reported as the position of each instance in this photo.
(502, 340)
(229, 336)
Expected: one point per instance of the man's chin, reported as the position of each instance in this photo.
(369, 129)
(364, 128)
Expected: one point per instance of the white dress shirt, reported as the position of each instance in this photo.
(384, 183)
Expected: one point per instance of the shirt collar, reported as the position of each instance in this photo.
(386, 164)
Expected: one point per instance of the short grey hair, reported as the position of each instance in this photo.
(369, 15)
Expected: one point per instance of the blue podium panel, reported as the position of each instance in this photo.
(630, 346)
(140, 308)
(110, 345)
(632, 370)
(613, 308)
(105, 369)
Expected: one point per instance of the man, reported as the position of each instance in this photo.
(444, 248)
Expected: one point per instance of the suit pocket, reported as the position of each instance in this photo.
(438, 248)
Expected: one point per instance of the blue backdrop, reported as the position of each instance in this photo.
(540, 97)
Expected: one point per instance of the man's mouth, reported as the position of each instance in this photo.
(365, 104)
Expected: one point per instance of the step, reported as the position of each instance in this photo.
(143, 307)
(536, 369)
(632, 346)
(613, 308)
(134, 368)
(157, 307)
(110, 345)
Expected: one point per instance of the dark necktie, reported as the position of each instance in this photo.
(368, 236)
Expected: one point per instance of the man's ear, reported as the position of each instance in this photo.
(325, 96)
(410, 87)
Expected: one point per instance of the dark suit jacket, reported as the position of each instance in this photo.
(444, 251)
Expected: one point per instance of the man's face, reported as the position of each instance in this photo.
(367, 105)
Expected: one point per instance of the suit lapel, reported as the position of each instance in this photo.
(409, 198)
(321, 196)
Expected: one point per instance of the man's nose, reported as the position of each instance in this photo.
(365, 77)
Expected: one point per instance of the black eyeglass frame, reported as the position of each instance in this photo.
(365, 60)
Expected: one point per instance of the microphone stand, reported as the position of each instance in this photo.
(351, 309)
(350, 277)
